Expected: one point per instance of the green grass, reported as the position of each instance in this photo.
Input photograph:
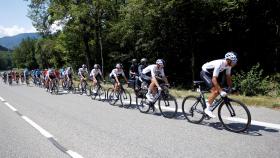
(264, 101)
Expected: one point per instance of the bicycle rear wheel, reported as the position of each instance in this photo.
(168, 106)
(125, 98)
(234, 116)
(192, 109)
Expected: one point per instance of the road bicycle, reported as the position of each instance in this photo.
(83, 88)
(54, 86)
(233, 114)
(120, 94)
(98, 91)
(167, 103)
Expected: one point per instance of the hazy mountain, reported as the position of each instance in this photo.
(3, 48)
(13, 41)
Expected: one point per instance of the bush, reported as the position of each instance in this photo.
(253, 83)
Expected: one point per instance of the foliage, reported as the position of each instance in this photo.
(253, 83)
(5, 60)
(186, 34)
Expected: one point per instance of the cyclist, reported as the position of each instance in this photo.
(142, 65)
(68, 74)
(210, 73)
(82, 73)
(115, 74)
(16, 76)
(133, 73)
(51, 75)
(150, 74)
(26, 74)
(95, 75)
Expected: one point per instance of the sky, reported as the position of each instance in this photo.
(13, 18)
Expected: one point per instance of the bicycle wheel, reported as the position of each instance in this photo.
(101, 94)
(113, 97)
(234, 116)
(93, 95)
(192, 109)
(125, 98)
(55, 89)
(167, 106)
(142, 103)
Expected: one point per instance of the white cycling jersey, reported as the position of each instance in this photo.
(117, 73)
(95, 72)
(68, 72)
(217, 66)
(154, 70)
(82, 71)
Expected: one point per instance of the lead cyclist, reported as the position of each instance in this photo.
(210, 73)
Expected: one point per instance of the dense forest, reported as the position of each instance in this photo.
(185, 33)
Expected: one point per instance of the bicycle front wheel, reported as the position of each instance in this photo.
(125, 98)
(113, 97)
(168, 106)
(234, 116)
(192, 109)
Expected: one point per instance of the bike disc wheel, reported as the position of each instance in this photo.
(168, 106)
(234, 116)
(192, 109)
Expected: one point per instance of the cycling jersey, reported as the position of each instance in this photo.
(51, 74)
(153, 70)
(216, 66)
(116, 73)
(82, 71)
(95, 72)
(133, 68)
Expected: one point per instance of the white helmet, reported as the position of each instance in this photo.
(160, 62)
(231, 56)
(84, 66)
(119, 65)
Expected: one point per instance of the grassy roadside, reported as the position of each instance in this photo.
(261, 101)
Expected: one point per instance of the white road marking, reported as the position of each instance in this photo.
(74, 154)
(253, 122)
(10, 106)
(40, 129)
(36, 126)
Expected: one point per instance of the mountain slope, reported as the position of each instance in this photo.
(3, 48)
(14, 41)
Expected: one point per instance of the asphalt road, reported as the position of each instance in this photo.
(34, 123)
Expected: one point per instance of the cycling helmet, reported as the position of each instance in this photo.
(96, 66)
(119, 65)
(134, 61)
(84, 66)
(231, 56)
(160, 62)
(143, 61)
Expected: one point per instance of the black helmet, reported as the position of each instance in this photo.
(143, 61)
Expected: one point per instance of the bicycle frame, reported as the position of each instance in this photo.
(216, 103)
